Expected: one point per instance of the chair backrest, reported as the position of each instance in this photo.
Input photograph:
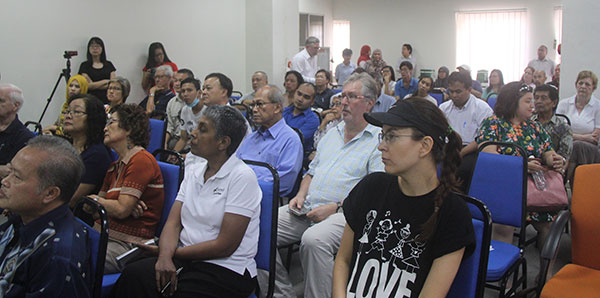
(500, 182)
(157, 135)
(565, 117)
(492, 99)
(37, 127)
(98, 240)
(172, 177)
(267, 239)
(471, 276)
(585, 203)
(439, 97)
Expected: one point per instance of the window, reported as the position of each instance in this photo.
(341, 41)
(492, 39)
(310, 25)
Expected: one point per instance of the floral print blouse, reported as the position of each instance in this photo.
(529, 135)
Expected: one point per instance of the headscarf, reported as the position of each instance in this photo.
(442, 83)
(83, 84)
(364, 54)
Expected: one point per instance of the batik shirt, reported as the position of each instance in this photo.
(561, 135)
(529, 135)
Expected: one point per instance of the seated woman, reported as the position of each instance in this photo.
(293, 80)
(134, 177)
(583, 109)
(84, 124)
(496, 82)
(425, 87)
(389, 80)
(212, 230)
(527, 77)
(376, 64)
(406, 220)
(117, 92)
(76, 85)
(512, 124)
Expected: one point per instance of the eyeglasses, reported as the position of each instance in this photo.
(304, 95)
(525, 88)
(115, 88)
(161, 76)
(259, 104)
(73, 113)
(350, 97)
(111, 121)
(336, 104)
(388, 138)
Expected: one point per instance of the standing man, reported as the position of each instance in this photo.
(407, 56)
(542, 63)
(45, 251)
(344, 69)
(174, 108)
(13, 134)
(274, 142)
(305, 62)
(299, 115)
(259, 80)
(190, 113)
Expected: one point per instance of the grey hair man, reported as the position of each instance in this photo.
(13, 134)
(259, 80)
(347, 153)
(52, 253)
(305, 62)
(159, 95)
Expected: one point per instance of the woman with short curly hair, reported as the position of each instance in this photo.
(133, 178)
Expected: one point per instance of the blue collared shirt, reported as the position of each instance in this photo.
(339, 166)
(383, 103)
(402, 92)
(278, 146)
(343, 72)
(48, 257)
(307, 122)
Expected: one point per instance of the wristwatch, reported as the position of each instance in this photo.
(339, 206)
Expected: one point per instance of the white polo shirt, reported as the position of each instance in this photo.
(583, 123)
(467, 120)
(233, 189)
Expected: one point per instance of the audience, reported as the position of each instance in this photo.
(512, 124)
(425, 87)
(365, 56)
(556, 76)
(527, 77)
(157, 56)
(13, 134)
(174, 109)
(476, 88)
(384, 102)
(442, 79)
(543, 63)
(344, 69)
(259, 80)
(45, 250)
(406, 84)
(96, 69)
(406, 216)
(376, 64)
(583, 109)
(117, 92)
(84, 124)
(274, 142)
(331, 118)
(345, 155)
(217, 89)
(323, 94)
(539, 78)
(190, 113)
(299, 115)
(496, 83)
(159, 95)
(389, 80)
(213, 227)
(135, 177)
(408, 57)
(76, 85)
(293, 79)
(561, 135)
(305, 62)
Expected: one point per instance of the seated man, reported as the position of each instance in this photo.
(407, 84)
(539, 78)
(174, 108)
(546, 100)
(159, 95)
(274, 142)
(346, 154)
(476, 88)
(217, 90)
(13, 134)
(190, 113)
(259, 80)
(384, 102)
(45, 250)
(465, 112)
(299, 115)
(323, 94)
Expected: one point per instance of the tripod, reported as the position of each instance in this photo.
(66, 73)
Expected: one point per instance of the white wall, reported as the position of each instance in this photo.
(202, 35)
(429, 26)
(581, 28)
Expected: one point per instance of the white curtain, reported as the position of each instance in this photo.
(341, 41)
(492, 40)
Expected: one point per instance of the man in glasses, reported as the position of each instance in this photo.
(13, 134)
(305, 62)
(274, 142)
(159, 95)
(299, 115)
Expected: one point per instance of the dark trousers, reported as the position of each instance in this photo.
(196, 279)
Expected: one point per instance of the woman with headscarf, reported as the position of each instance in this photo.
(365, 55)
(77, 85)
(442, 78)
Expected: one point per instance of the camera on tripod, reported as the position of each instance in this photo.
(69, 54)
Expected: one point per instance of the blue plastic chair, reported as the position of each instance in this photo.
(500, 182)
(492, 101)
(267, 239)
(470, 278)
(439, 97)
(98, 240)
(157, 135)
